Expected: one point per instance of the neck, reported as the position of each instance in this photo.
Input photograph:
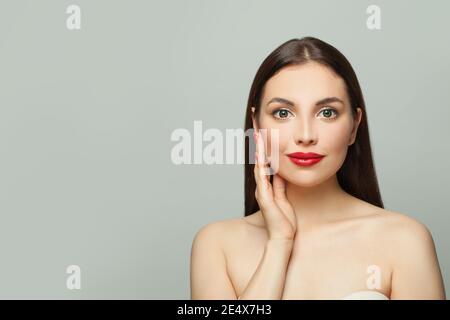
(318, 204)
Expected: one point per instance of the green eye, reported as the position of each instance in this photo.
(283, 113)
(328, 112)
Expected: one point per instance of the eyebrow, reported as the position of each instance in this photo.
(318, 103)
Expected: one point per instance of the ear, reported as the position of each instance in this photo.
(255, 124)
(356, 122)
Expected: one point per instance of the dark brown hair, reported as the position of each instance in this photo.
(357, 174)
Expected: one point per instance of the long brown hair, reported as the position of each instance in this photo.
(357, 174)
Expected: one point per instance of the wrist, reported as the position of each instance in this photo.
(287, 242)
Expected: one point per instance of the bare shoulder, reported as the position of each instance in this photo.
(395, 226)
(417, 273)
(413, 236)
(402, 228)
(402, 236)
(209, 275)
(220, 233)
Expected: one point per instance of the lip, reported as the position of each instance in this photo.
(303, 155)
(305, 162)
(305, 159)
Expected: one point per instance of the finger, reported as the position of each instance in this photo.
(263, 195)
(261, 181)
(256, 168)
(280, 198)
(279, 191)
(262, 156)
(258, 188)
(264, 178)
(263, 191)
(279, 187)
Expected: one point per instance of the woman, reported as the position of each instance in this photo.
(316, 229)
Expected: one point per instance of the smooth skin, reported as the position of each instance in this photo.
(310, 239)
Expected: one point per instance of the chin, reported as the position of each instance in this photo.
(302, 182)
(303, 178)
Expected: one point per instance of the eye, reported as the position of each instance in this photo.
(327, 114)
(283, 113)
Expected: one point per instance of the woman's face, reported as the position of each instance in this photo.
(304, 124)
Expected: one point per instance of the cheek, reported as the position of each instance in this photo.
(334, 142)
(277, 140)
(335, 139)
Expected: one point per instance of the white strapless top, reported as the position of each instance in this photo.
(366, 295)
(363, 295)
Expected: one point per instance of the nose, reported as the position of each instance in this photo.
(304, 132)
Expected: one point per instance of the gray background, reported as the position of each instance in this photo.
(86, 118)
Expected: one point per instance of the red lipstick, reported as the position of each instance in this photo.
(305, 159)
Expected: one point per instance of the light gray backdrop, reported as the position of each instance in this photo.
(86, 117)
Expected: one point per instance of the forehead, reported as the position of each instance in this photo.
(305, 84)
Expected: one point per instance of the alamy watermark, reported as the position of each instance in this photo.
(213, 146)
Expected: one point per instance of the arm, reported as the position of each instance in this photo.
(267, 283)
(209, 277)
(416, 273)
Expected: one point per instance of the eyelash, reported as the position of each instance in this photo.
(332, 109)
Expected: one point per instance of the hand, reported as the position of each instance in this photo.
(278, 213)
